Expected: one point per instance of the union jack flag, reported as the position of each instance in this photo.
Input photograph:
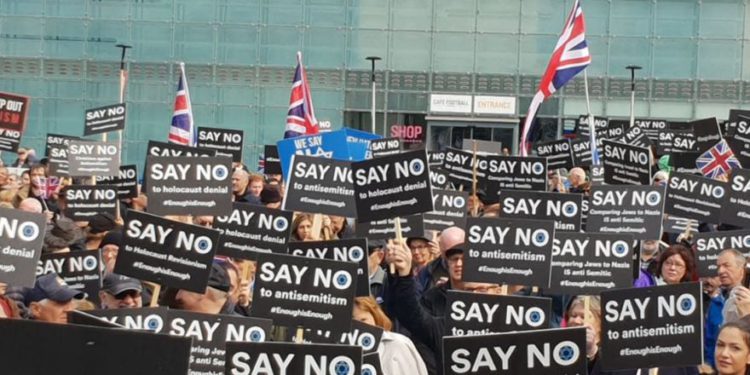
(301, 117)
(570, 57)
(717, 161)
(183, 131)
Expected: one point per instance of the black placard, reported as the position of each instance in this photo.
(84, 201)
(626, 164)
(450, 210)
(739, 140)
(559, 153)
(371, 364)
(660, 326)
(587, 263)
(249, 229)
(166, 252)
(104, 119)
(627, 209)
(695, 197)
(539, 352)
(439, 178)
(652, 127)
(348, 250)
(211, 333)
(384, 147)
(737, 117)
(411, 226)
(14, 110)
(581, 149)
(56, 150)
(674, 224)
(126, 181)
(155, 148)
(286, 358)
(496, 172)
(179, 185)
(81, 270)
(707, 133)
(321, 186)
(684, 162)
(513, 251)
(226, 142)
(634, 136)
(151, 319)
(22, 236)
(708, 245)
(271, 162)
(86, 158)
(362, 334)
(683, 142)
(392, 186)
(313, 293)
(564, 209)
(480, 314)
(736, 210)
(435, 157)
(75, 349)
(583, 129)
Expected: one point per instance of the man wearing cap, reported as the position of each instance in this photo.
(215, 300)
(51, 299)
(110, 246)
(436, 272)
(63, 237)
(99, 225)
(121, 292)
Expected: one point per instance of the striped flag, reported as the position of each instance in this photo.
(183, 131)
(570, 57)
(717, 161)
(301, 117)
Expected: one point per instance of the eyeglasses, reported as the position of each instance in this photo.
(128, 293)
(674, 264)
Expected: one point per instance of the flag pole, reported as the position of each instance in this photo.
(592, 125)
(123, 85)
(372, 80)
(632, 69)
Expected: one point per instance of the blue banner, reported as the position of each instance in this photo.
(331, 145)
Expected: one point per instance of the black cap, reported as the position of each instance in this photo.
(102, 222)
(219, 278)
(115, 284)
(411, 239)
(270, 194)
(113, 237)
(373, 245)
(454, 250)
(52, 287)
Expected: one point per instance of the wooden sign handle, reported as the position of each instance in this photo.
(155, 295)
(300, 336)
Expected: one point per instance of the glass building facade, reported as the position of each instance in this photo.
(240, 54)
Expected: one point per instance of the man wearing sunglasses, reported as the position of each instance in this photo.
(120, 292)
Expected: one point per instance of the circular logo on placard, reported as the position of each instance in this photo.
(203, 245)
(342, 280)
(220, 172)
(653, 198)
(89, 263)
(620, 249)
(718, 192)
(153, 323)
(459, 202)
(535, 317)
(569, 209)
(540, 237)
(686, 304)
(280, 224)
(746, 241)
(416, 167)
(342, 366)
(368, 369)
(28, 231)
(367, 341)
(356, 254)
(566, 353)
(255, 334)
(538, 168)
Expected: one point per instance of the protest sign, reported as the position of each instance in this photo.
(22, 237)
(587, 263)
(450, 210)
(84, 201)
(538, 352)
(392, 186)
(496, 172)
(249, 229)
(739, 140)
(660, 326)
(126, 181)
(156, 148)
(737, 117)
(362, 334)
(413, 135)
(87, 158)
(708, 245)
(300, 291)
(707, 133)
(358, 143)
(583, 129)
(151, 319)
(564, 209)
(435, 157)
(331, 145)
(581, 149)
(384, 147)
(596, 173)
(684, 162)
(479, 314)
(56, 150)
(411, 226)
(86, 319)
(286, 358)
(14, 110)
(482, 147)
(210, 334)
(634, 136)
(226, 142)
(63, 345)
(347, 250)
(626, 164)
(559, 154)
(736, 210)
(695, 197)
(683, 141)
(439, 177)
(674, 224)
(513, 251)
(271, 163)
(104, 119)
(321, 186)
(627, 209)
(652, 127)
(81, 270)
(166, 252)
(179, 185)
(371, 364)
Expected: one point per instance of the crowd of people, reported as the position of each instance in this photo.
(409, 281)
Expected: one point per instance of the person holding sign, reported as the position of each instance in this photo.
(733, 348)
(676, 265)
(51, 299)
(397, 353)
(302, 228)
(732, 271)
